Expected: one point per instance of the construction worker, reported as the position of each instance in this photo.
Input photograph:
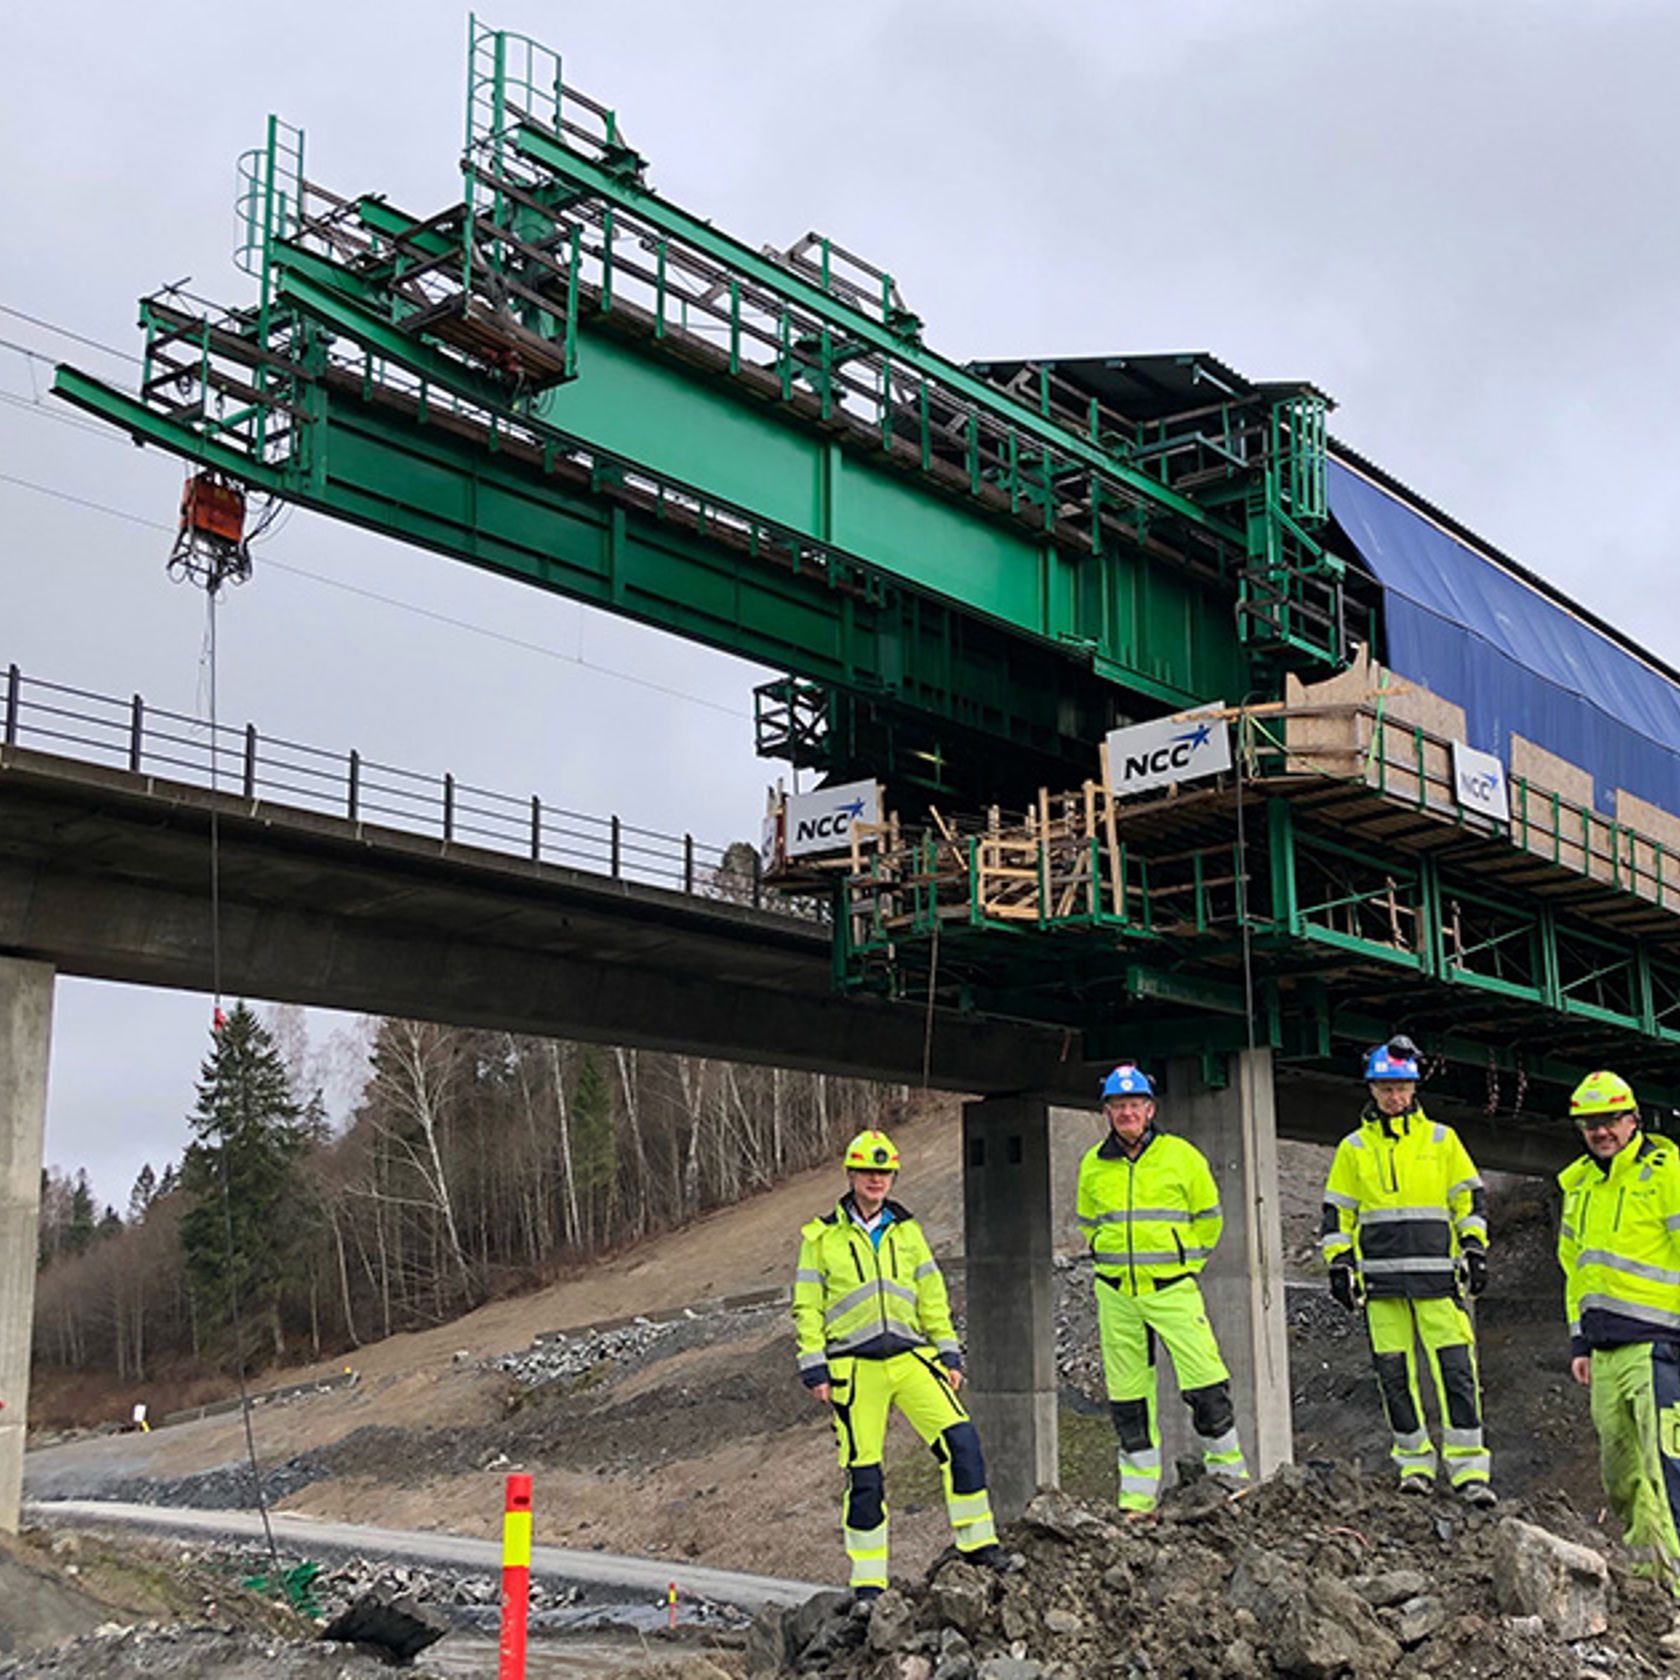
(1405, 1231)
(874, 1329)
(1149, 1208)
(1619, 1246)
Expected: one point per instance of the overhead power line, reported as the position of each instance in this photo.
(446, 619)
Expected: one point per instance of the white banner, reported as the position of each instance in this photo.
(1480, 780)
(1177, 749)
(822, 822)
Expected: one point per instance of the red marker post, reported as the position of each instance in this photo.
(516, 1577)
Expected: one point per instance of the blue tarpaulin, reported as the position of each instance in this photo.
(1517, 660)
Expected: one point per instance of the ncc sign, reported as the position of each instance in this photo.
(1479, 779)
(1152, 755)
(822, 822)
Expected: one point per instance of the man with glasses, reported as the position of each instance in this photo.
(1405, 1232)
(1619, 1246)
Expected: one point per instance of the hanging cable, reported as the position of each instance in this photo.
(210, 567)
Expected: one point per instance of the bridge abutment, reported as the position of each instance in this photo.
(26, 994)
(1011, 1299)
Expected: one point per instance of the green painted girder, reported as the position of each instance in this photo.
(613, 187)
(1151, 629)
(500, 511)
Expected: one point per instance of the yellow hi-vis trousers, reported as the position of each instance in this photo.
(1395, 1325)
(1128, 1327)
(1636, 1411)
(861, 1392)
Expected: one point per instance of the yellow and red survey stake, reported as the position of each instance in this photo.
(516, 1577)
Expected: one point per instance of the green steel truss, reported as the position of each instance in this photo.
(566, 379)
(1311, 917)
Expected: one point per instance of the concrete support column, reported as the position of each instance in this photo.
(26, 990)
(1235, 1126)
(1011, 1304)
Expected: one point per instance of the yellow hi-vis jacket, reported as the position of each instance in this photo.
(1619, 1245)
(1403, 1201)
(853, 1298)
(1149, 1221)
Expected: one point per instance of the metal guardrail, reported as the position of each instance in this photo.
(147, 740)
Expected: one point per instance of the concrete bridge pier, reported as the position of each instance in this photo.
(1235, 1126)
(1011, 1300)
(26, 991)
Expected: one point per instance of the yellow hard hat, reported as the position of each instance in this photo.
(871, 1152)
(1600, 1096)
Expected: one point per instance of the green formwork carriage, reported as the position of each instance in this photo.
(1305, 912)
(968, 573)
(565, 378)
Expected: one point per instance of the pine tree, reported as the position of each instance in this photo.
(249, 1204)
(78, 1239)
(140, 1198)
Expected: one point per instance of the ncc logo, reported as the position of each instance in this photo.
(1152, 755)
(833, 825)
(822, 822)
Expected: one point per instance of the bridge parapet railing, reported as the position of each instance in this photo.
(1406, 761)
(152, 741)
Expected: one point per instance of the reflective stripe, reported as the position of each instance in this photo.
(981, 1532)
(867, 1333)
(1470, 1438)
(1474, 1182)
(1633, 1268)
(1473, 1467)
(926, 1269)
(1139, 1257)
(1473, 1225)
(948, 1344)
(968, 1507)
(1403, 1216)
(806, 1275)
(1416, 1440)
(1335, 1239)
(1438, 1133)
(1672, 1223)
(1411, 1263)
(1337, 1199)
(1213, 1212)
(1567, 1230)
(812, 1361)
(854, 1298)
(1627, 1309)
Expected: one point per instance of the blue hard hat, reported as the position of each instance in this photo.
(1391, 1061)
(1127, 1081)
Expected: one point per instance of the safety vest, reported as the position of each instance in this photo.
(851, 1297)
(1403, 1201)
(1152, 1220)
(1619, 1245)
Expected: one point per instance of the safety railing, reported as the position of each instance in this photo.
(151, 741)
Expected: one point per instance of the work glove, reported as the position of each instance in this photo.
(1475, 1271)
(1341, 1286)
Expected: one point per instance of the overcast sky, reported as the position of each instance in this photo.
(1458, 219)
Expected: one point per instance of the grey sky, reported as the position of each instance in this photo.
(1455, 218)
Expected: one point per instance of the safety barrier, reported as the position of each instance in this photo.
(148, 740)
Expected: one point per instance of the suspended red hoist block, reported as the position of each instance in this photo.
(213, 509)
(210, 545)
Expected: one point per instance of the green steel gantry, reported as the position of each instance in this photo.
(967, 573)
(969, 576)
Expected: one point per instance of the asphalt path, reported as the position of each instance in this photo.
(605, 1574)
